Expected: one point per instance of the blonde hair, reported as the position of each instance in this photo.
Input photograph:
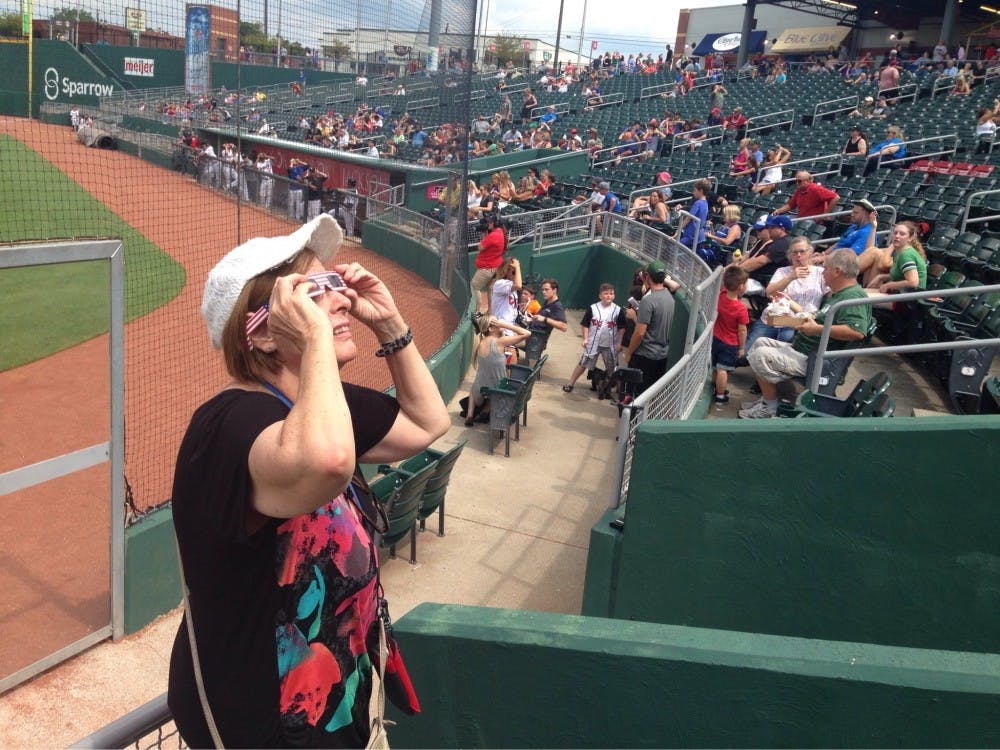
(895, 130)
(731, 213)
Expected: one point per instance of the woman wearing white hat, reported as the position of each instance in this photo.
(275, 527)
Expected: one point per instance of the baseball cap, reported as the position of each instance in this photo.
(780, 221)
(761, 223)
(869, 99)
(865, 204)
(664, 177)
(655, 267)
(572, 131)
(225, 282)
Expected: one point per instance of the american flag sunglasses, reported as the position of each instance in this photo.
(328, 281)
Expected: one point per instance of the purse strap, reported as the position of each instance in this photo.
(213, 730)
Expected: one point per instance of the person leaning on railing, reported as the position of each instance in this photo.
(892, 151)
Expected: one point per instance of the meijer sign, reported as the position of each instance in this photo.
(139, 66)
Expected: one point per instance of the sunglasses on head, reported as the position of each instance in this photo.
(327, 281)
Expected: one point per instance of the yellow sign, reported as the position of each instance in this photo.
(135, 19)
(810, 39)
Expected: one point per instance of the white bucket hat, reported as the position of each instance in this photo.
(225, 282)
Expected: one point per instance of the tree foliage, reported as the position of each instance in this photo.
(72, 14)
(10, 24)
(252, 34)
(509, 47)
(337, 51)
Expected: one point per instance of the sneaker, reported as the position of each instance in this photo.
(760, 411)
(722, 398)
(751, 404)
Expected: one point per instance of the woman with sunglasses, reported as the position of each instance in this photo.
(274, 525)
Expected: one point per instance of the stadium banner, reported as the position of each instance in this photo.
(729, 42)
(139, 66)
(810, 39)
(135, 20)
(198, 36)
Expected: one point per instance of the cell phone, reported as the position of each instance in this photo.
(633, 303)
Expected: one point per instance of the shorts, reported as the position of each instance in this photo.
(724, 355)
(482, 278)
(775, 361)
(607, 353)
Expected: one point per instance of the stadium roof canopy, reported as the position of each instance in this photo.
(901, 14)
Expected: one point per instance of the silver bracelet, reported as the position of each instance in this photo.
(391, 347)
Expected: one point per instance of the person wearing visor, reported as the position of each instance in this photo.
(275, 524)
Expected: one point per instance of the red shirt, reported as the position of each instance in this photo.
(811, 199)
(732, 312)
(491, 253)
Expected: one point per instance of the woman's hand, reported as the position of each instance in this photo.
(292, 313)
(371, 302)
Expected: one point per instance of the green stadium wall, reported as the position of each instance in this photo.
(503, 678)
(867, 530)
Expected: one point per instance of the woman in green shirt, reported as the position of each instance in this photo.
(900, 267)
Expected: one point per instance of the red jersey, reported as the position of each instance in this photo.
(811, 199)
(732, 312)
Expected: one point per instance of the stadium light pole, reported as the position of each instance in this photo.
(583, 26)
(555, 62)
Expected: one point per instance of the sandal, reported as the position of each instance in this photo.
(568, 388)
(469, 422)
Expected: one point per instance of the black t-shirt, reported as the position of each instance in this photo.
(777, 257)
(281, 615)
(554, 310)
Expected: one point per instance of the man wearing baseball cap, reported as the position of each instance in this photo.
(771, 254)
(647, 349)
(856, 236)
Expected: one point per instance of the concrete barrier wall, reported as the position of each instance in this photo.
(875, 531)
(503, 678)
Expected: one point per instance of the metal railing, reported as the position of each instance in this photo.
(148, 726)
(606, 101)
(942, 83)
(559, 108)
(675, 395)
(522, 226)
(850, 104)
(684, 138)
(836, 160)
(427, 103)
(639, 146)
(970, 201)
(906, 91)
(823, 353)
(913, 157)
(671, 187)
(648, 92)
(410, 223)
(882, 209)
(781, 117)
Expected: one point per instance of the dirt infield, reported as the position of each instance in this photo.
(60, 404)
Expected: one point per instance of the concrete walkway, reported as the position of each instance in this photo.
(516, 536)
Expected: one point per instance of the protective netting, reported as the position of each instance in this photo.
(180, 128)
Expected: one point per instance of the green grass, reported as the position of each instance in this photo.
(46, 309)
